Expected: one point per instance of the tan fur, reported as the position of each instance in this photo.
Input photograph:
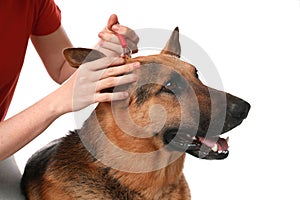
(104, 159)
(166, 183)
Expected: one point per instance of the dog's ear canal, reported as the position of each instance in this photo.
(78, 56)
(173, 45)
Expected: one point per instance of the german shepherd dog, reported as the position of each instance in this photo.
(134, 149)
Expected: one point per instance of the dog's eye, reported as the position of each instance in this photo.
(174, 85)
(169, 87)
(169, 84)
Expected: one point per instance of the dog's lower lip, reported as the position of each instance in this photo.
(200, 147)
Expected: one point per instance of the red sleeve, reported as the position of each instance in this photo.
(47, 19)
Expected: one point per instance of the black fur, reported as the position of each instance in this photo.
(37, 165)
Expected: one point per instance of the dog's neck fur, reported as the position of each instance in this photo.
(153, 183)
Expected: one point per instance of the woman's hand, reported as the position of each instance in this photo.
(109, 43)
(85, 85)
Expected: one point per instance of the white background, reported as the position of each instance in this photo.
(255, 46)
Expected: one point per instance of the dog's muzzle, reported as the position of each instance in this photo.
(209, 147)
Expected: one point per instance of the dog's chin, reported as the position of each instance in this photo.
(214, 148)
(211, 155)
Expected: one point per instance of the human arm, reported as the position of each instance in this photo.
(20, 129)
(49, 48)
(85, 82)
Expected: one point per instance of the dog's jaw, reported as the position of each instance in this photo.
(215, 148)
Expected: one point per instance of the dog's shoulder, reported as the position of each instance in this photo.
(37, 164)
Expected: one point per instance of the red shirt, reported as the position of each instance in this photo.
(18, 20)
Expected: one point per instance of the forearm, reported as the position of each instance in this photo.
(50, 49)
(20, 129)
(65, 72)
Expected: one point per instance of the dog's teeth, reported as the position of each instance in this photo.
(215, 148)
(220, 151)
(227, 139)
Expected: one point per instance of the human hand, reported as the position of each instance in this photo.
(109, 43)
(84, 87)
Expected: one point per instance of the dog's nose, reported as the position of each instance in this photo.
(237, 107)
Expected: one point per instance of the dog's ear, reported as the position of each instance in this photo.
(78, 56)
(173, 45)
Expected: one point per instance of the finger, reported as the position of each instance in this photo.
(127, 32)
(112, 47)
(112, 43)
(113, 19)
(133, 46)
(107, 97)
(113, 71)
(108, 52)
(116, 49)
(129, 35)
(104, 63)
(119, 70)
(109, 37)
(115, 81)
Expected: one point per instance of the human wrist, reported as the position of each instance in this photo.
(58, 104)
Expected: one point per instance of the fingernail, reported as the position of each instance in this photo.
(125, 94)
(136, 64)
(115, 27)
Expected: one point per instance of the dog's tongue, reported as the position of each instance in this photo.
(221, 143)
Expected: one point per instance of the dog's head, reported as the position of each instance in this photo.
(170, 106)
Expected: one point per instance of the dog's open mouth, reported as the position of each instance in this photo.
(214, 148)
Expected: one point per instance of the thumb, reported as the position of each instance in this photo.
(113, 19)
